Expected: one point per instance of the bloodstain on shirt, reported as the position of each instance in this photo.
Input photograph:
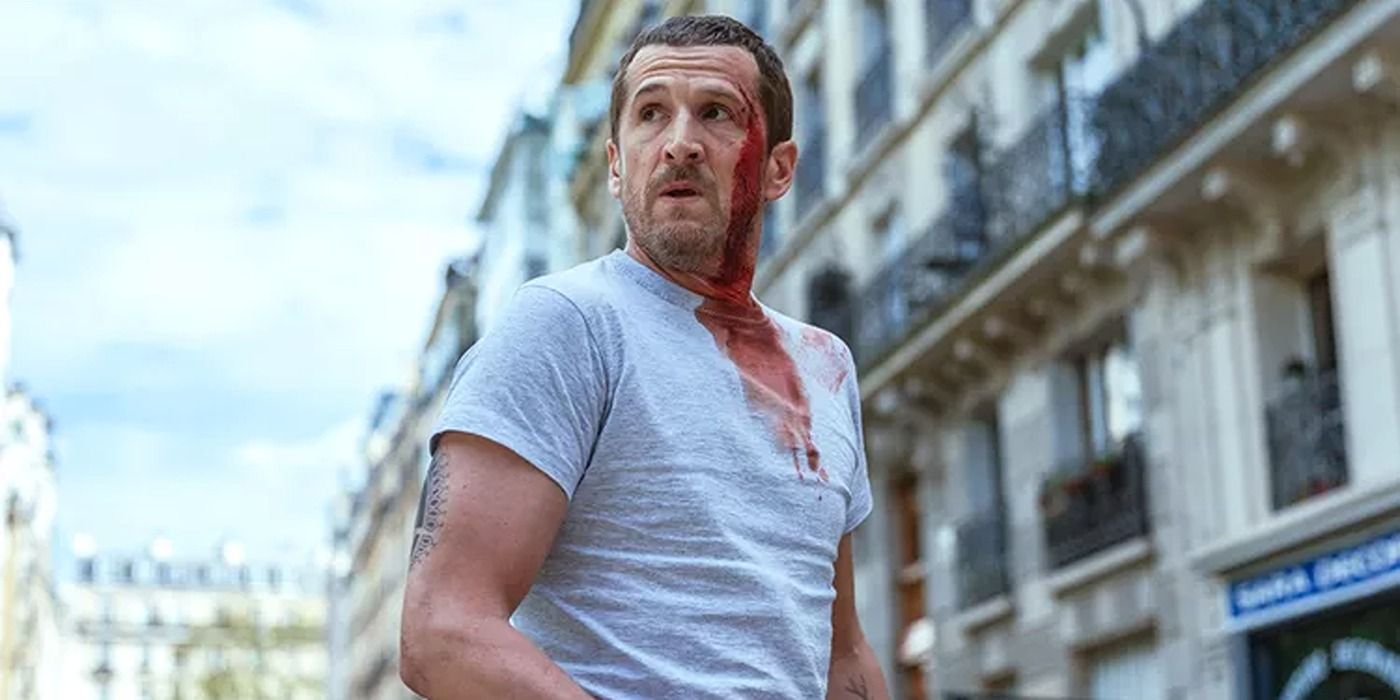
(751, 340)
(832, 367)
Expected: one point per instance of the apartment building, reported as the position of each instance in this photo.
(30, 651)
(152, 626)
(373, 538)
(30, 647)
(1123, 283)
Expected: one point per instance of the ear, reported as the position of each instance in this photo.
(781, 165)
(614, 170)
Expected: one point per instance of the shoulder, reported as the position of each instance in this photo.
(813, 337)
(586, 286)
(824, 354)
(565, 312)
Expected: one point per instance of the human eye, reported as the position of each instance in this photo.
(648, 112)
(716, 112)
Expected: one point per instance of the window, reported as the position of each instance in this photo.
(812, 109)
(962, 171)
(874, 32)
(1304, 421)
(874, 91)
(829, 301)
(1083, 72)
(983, 461)
(1324, 339)
(1087, 67)
(1130, 670)
(768, 243)
(1109, 395)
(535, 266)
(810, 179)
(757, 17)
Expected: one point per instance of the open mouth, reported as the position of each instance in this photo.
(680, 191)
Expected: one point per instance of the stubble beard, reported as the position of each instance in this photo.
(692, 245)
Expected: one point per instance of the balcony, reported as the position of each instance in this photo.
(1092, 508)
(1047, 170)
(1185, 78)
(944, 19)
(917, 281)
(829, 302)
(875, 97)
(810, 185)
(1307, 440)
(982, 573)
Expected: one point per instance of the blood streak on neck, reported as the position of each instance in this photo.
(741, 329)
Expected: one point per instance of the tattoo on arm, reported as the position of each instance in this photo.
(428, 525)
(855, 685)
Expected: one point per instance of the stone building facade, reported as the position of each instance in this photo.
(148, 626)
(1123, 282)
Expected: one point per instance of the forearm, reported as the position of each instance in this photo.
(495, 662)
(856, 676)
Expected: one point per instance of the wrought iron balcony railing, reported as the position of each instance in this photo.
(829, 302)
(1026, 185)
(943, 20)
(1182, 80)
(982, 573)
(1095, 506)
(1082, 148)
(1307, 440)
(875, 96)
(810, 185)
(920, 279)
(1031, 181)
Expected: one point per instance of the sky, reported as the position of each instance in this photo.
(233, 220)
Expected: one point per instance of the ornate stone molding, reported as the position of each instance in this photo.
(1376, 74)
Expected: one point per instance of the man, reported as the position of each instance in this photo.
(643, 481)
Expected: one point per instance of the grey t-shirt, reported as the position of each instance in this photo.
(696, 557)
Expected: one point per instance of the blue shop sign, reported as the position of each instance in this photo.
(1325, 576)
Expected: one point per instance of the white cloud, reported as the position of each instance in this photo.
(317, 458)
(249, 182)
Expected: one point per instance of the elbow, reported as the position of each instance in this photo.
(427, 650)
(442, 654)
(415, 645)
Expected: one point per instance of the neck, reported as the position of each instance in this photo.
(732, 285)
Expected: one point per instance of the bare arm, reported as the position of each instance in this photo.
(485, 523)
(854, 674)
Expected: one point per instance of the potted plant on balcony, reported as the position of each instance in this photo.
(1054, 494)
(1105, 464)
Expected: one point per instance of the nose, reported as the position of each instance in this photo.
(682, 144)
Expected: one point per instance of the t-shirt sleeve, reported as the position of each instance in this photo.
(535, 383)
(861, 503)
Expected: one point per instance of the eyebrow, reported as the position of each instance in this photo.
(712, 92)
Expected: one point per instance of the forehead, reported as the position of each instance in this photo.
(733, 66)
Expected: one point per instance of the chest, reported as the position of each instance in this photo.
(730, 433)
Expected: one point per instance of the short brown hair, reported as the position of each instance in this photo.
(774, 91)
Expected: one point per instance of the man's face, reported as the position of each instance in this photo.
(691, 127)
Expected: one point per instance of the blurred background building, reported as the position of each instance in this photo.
(1122, 278)
(374, 528)
(29, 633)
(150, 626)
(1084, 252)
